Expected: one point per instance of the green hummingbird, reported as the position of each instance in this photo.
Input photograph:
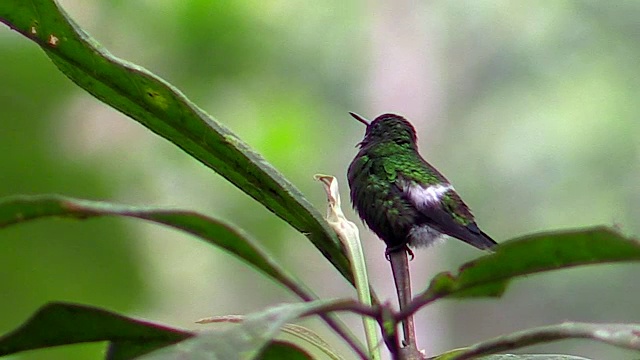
(400, 196)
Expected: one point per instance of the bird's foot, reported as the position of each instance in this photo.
(410, 252)
(403, 247)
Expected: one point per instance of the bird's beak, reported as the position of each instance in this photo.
(359, 118)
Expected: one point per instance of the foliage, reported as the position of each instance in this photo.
(167, 112)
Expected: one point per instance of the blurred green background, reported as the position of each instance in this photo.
(530, 109)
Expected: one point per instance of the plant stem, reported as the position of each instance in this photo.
(400, 268)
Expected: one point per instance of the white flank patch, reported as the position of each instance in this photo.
(424, 236)
(423, 197)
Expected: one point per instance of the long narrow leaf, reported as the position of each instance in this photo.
(619, 335)
(164, 110)
(58, 324)
(490, 275)
(243, 341)
(19, 209)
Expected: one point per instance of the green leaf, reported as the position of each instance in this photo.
(62, 324)
(19, 209)
(523, 357)
(490, 275)
(58, 324)
(348, 233)
(163, 109)
(300, 332)
(309, 336)
(279, 350)
(244, 341)
(620, 335)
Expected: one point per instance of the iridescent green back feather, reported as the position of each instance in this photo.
(388, 162)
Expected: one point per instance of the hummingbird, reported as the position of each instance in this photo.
(402, 198)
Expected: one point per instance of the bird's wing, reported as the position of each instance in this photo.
(443, 210)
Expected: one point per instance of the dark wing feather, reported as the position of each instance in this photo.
(452, 217)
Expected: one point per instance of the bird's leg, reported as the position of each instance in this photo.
(400, 268)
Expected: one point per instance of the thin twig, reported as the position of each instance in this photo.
(402, 277)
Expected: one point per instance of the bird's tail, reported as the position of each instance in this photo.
(480, 239)
(486, 242)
